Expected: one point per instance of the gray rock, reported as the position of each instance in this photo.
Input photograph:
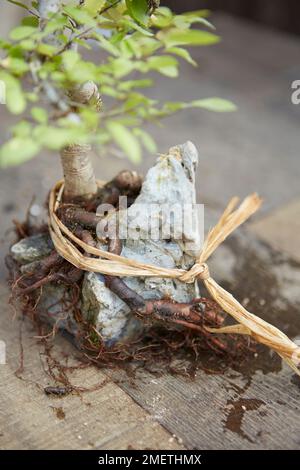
(168, 185)
(107, 311)
(52, 312)
(32, 249)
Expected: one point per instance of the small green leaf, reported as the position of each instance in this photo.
(15, 65)
(130, 24)
(106, 45)
(183, 53)
(218, 105)
(18, 150)
(15, 99)
(21, 32)
(31, 96)
(21, 129)
(30, 21)
(146, 139)
(138, 10)
(187, 37)
(19, 4)
(130, 84)
(162, 17)
(27, 44)
(56, 138)
(197, 14)
(39, 114)
(164, 64)
(46, 49)
(70, 59)
(122, 66)
(80, 16)
(54, 24)
(125, 140)
(93, 6)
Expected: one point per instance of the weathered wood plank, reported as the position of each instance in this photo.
(104, 419)
(256, 405)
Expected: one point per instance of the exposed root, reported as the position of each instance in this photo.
(175, 331)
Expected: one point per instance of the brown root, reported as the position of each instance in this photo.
(174, 330)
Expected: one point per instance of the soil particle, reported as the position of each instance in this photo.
(60, 414)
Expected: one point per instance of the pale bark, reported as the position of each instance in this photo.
(79, 175)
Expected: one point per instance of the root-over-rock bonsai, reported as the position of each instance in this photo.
(69, 103)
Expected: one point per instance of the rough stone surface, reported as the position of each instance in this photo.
(53, 298)
(32, 249)
(170, 183)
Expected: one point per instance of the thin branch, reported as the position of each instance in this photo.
(104, 10)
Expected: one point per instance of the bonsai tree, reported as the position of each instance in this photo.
(69, 103)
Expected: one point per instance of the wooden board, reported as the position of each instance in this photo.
(104, 419)
(256, 404)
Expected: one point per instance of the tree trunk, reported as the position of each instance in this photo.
(79, 175)
(80, 181)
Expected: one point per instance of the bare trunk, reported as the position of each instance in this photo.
(79, 175)
(80, 181)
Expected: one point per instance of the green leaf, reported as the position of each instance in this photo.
(197, 14)
(185, 21)
(130, 24)
(183, 53)
(188, 37)
(122, 66)
(27, 44)
(138, 10)
(125, 140)
(136, 99)
(110, 91)
(31, 96)
(30, 21)
(146, 139)
(172, 106)
(19, 4)
(21, 129)
(55, 24)
(56, 138)
(93, 6)
(164, 64)
(70, 59)
(130, 84)
(83, 72)
(15, 65)
(46, 49)
(18, 150)
(90, 117)
(39, 114)
(106, 45)
(15, 99)
(21, 32)
(218, 105)
(80, 15)
(162, 17)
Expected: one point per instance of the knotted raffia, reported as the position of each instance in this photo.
(108, 263)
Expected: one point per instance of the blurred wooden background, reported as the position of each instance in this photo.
(281, 14)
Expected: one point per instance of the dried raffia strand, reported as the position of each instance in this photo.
(115, 265)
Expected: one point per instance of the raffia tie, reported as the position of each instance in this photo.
(198, 271)
(67, 245)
